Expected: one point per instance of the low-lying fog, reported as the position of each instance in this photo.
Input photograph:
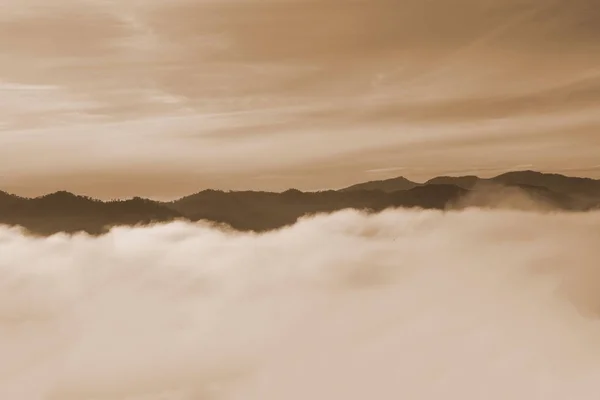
(472, 304)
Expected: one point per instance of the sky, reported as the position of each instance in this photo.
(161, 98)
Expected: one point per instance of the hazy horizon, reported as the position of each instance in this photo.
(166, 198)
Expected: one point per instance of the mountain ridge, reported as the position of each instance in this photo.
(258, 211)
(552, 181)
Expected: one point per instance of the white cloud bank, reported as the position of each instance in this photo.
(404, 304)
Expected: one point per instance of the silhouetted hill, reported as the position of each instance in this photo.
(429, 196)
(555, 182)
(259, 211)
(387, 185)
(7, 199)
(65, 212)
(465, 182)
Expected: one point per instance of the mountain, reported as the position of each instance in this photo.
(261, 211)
(388, 185)
(6, 199)
(554, 182)
(465, 182)
(66, 212)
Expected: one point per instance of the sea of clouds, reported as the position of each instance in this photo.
(471, 304)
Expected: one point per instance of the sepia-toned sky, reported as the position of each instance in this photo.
(160, 98)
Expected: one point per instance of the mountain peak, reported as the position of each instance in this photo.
(465, 182)
(63, 211)
(62, 196)
(61, 193)
(385, 185)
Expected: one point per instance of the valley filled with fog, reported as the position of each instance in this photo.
(415, 304)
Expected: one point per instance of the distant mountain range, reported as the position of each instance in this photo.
(262, 211)
(554, 182)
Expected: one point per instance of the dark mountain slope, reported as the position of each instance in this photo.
(387, 185)
(259, 211)
(569, 192)
(465, 182)
(555, 182)
(66, 212)
(7, 199)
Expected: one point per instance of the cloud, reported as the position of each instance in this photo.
(418, 304)
(302, 79)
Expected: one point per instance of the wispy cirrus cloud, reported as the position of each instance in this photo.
(297, 82)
